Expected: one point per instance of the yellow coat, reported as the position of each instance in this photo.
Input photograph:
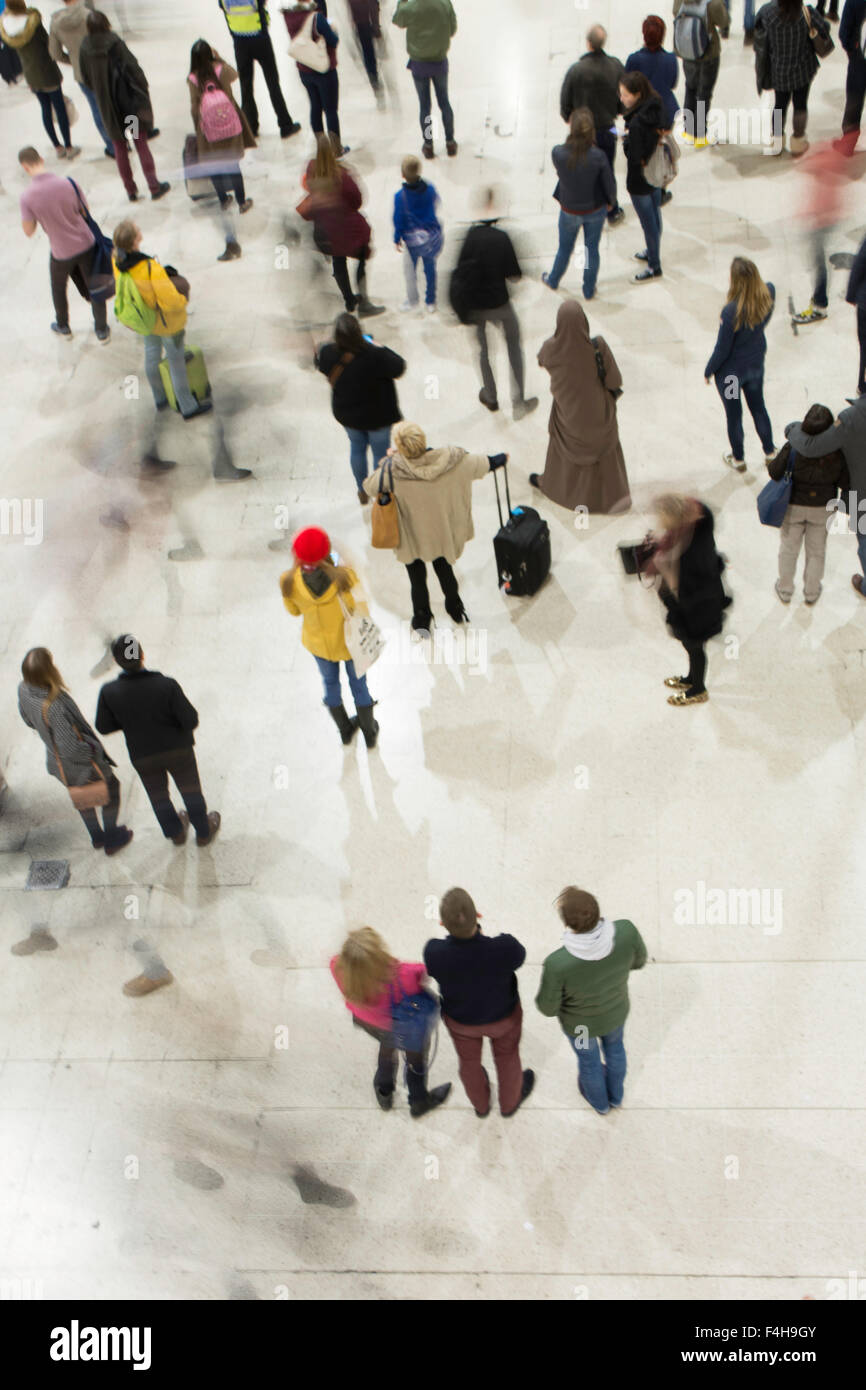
(323, 617)
(158, 291)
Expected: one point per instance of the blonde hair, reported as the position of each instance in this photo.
(326, 170)
(673, 508)
(126, 234)
(38, 670)
(409, 440)
(337, 574)
(411, 168)
(748, 291)
(364, 966)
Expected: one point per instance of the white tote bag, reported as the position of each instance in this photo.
(363, 639)
(312, 52)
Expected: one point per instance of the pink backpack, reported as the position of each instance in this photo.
(218, 116)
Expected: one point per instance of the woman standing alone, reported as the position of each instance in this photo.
(737, 361)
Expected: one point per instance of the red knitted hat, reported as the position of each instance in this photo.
(311, 546)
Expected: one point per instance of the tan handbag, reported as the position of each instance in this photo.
(92, 794)
(385, 520)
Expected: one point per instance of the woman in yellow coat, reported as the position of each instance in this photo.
(158, 290)
(318, 590)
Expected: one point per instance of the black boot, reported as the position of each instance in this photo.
(455, 610)
(369, 727)
(346, 725)
(417, 1108)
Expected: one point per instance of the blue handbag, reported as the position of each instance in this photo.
(101, 284)
(413, 1019)
(774, 499)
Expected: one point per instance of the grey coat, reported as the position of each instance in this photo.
(77, 744)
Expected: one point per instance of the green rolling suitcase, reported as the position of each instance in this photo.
(196, 375)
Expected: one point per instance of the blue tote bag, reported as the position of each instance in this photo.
(413, 1018)
(775, 498)
(102, 274)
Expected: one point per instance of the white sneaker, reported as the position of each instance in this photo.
(769, 457)
(406, 307)
(738, 464)
(431, 308)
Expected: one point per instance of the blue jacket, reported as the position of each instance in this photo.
(740, 350)
(663, 71)
(415, 209)
(851, 25)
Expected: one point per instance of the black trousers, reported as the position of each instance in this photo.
(259, 49)
(109, 832)
(341, 275)
(364, 31)
(421, 614)
(80, 268)
(855, 91)
(861, 338)
(606, 142)
(697, 665)
(386, 1068)
(323, 90)
(224, 184)
(181, 766)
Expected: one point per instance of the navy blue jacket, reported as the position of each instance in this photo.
(740, 350)
(476, 976)
(587, 186)
(663, 71)
(851, 25)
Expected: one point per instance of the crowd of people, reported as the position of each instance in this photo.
(428, 486)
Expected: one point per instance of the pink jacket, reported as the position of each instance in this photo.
(408, 981)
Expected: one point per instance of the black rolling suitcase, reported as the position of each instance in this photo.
(521, 546)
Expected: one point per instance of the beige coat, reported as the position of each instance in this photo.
(434, 501)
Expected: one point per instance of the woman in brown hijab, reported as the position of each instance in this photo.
(584, 466)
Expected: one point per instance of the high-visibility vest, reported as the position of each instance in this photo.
(242, 16)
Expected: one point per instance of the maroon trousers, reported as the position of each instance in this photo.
(504, 1035)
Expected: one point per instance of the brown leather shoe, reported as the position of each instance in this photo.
(362, 497)
(181, 838)
(214, 819)
(143, 984)
(857, 582)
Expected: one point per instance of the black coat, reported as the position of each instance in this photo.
(151, 709)
(643, 123)
(816, 481)
(364, 396)
(696, 612)
(486, 261)
(104, 59)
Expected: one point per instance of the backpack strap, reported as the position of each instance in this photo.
(337, 371)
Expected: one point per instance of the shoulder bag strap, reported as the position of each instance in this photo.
(599, 361)
(45, 704)
(336, 372)
(390, 488)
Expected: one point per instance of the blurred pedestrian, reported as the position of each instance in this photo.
(65, 36)
(222, 135)
(341, 232)
(307, 23)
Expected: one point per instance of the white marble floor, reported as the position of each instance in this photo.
(172, 1146)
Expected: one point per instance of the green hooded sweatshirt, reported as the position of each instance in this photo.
(592, 994)
(429, 25)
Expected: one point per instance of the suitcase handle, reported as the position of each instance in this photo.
(507, 494)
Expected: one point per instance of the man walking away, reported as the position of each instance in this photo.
(585, 985)
(430, 26)
(475, 975)
(57, 206)
(486, 262)
(593, 81)
(157, 721)
(248, 22)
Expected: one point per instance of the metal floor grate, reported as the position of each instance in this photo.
(47, 873)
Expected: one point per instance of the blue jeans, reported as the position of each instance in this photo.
(412, 254)
(97, 119)
(731, 390)
(748, 13)
(602, 1081)
(323, 90)
(440, 87)
(359, 441)
(330, 672)
(174, 351)
(570, 224)
(52, 104)
(648, 207)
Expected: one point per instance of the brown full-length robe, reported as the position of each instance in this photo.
(584, 465)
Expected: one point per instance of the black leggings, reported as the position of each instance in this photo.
(421, 614)
(341, 275)
(52, 102)
(107, 833)
(224, 184)
(697, 666)
(386, 1069)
